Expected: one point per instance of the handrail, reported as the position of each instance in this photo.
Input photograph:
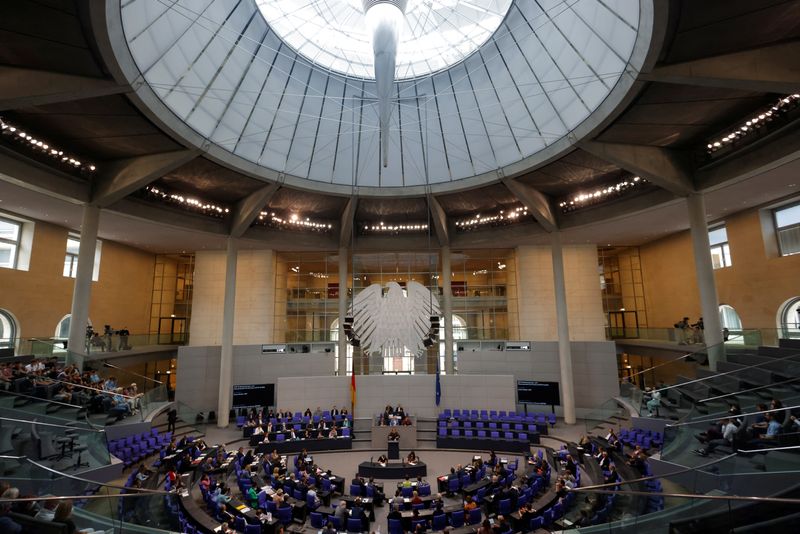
(81, 479)
(106, 364)
(690, 495)
(49, 401)
(679, 358)
(654, 477)
(751, 389)
(73, 384)
(27, 421)
(729, 416)
(725, 373)
(790, 448)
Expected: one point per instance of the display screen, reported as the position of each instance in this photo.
(534, 392)
(247, 395)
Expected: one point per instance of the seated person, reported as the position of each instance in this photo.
(383, 460)
(406, 421)
(415, 498)
(332, 433)
(728, 431)
(411, 458)
(469, 504)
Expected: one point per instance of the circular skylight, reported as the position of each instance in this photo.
(334, 34)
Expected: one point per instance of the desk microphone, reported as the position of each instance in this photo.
(370, 461)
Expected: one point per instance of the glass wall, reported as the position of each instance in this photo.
(171, 305)
(622, 291)
(483, 284)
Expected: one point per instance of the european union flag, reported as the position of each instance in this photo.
(438, 383)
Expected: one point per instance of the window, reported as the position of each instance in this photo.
(71, 257)
(10, 232)
(8, 329)
(787, 226)
(720, 250)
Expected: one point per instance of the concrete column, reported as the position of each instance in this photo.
(343, 276)
(226, 357)
(564, 348)
(706, 285)
(447, 311)
(82, 290)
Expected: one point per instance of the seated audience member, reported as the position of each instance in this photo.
(768, 438)
(501, 525)
(728, 431)
(46, 512)
(395, 513)
(485, 528)
(7, 524)
(469, 504)
(63, 514)
(332, 434)
(415, 498)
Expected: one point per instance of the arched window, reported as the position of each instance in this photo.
(789, 318)
(729, 319)
(8, 329)
(62, 328)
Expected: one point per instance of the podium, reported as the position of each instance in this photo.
(394, 450)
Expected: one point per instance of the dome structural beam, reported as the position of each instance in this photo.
(668, 169)
(539, 204)
(439, 220)
(346, 222)
(248, 208)
(123, 177)
(769, 69)
(22, 88)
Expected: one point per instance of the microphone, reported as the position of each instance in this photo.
(370, 461)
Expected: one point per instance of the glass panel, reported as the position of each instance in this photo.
(9, 230)
(789, 240)
(8, 254)
(73, 245)
(433, 34)
(718, 235)
(787, 216)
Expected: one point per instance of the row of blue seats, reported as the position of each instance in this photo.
(643, 438)
(135, 447)
(487, 415)
(493, 434)
(492, 425)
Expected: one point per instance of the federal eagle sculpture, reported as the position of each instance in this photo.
(395, 321)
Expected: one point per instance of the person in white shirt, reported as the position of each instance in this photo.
(728, 431)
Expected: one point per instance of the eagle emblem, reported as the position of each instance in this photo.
(396, 321)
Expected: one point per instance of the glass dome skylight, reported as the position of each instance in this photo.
(335, 34)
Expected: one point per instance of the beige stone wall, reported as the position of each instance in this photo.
(41, 296)
(536, 296)
(757, 284)
(254, 314)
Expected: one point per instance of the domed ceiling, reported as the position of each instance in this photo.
(481, 89)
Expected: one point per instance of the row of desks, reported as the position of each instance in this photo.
(310, 445)
(517, 446)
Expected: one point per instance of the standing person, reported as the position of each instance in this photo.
(123, 338)
(107, 333)
(172, 418)
(682, 327)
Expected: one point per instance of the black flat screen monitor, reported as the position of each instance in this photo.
(535, 392)
(247, 395)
